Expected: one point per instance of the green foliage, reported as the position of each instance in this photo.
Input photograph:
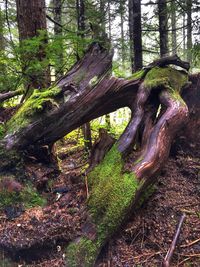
(2, 130)
(196, 55)
(137, 75)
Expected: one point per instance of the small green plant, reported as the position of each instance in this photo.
(29, 197)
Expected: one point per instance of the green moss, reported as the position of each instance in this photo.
(32, 108)
(10, 159)
(145, 195)
(137, 75)
(112, 191)
(82, 253)
(29, 197)
(2, 130)
(94, 81)
(166, 76)
(111, 196)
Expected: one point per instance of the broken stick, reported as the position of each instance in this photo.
(170, 252)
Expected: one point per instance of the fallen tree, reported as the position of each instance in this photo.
(87, 91)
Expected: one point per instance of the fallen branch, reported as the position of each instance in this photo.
(166, 262)
(8, 95)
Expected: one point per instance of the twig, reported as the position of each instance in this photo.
(147, 254)
(166, 262)
(190, 255)
(190, 244)
(86, 186)
(180, 263)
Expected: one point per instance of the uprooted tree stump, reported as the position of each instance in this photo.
(86, 92)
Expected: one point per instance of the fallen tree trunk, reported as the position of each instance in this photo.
(85, 93)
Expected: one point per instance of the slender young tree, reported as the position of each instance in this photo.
(31, 18)
(173, 25)
(121, 13)
(163, 27)
(58, 32)
(1, 32)
(80, 5)
(135, 33)
(2, 50)
(189, 30)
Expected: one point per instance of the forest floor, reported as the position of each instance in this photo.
(143, 241)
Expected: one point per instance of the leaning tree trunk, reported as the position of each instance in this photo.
(87, 92)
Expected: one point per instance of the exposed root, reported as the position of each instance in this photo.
(161, 136)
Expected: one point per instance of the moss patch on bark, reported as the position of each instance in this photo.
(33, 108)
(167, 77)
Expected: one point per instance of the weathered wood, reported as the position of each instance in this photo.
(174, 60)
(101, 146)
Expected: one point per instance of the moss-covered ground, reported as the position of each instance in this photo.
(28, 197)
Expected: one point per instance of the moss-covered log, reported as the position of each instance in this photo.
(87, 92)
(115, 192)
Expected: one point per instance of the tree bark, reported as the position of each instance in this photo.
(2, 44)
(57, 5)
(135, 33)
(189, 30)
(173, 25)
(122, 12)
(31, 18)
(2, 48)
(86, 130)
(163, 27)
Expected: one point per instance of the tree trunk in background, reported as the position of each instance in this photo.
(2, 45)
(103, 15)
(109, 22)
(163, 27)
(122, 7)
(173, 24)
(31, 18)
(81, 17)
(103, 29)
(2, 52)
(135, 33)
(189, 30)
(184, 36)
(57, 8)
(80, 4)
